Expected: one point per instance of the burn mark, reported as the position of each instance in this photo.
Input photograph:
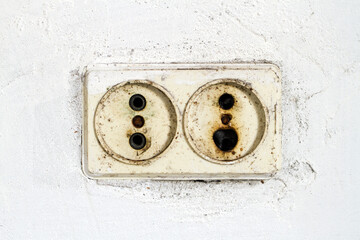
(225, 118)
(225, 139)
(226, 101)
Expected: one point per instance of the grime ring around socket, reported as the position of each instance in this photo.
(225, 121)
(136, 121)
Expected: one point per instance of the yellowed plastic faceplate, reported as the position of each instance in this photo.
(179, 121)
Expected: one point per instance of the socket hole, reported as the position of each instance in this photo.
(137, 141)
(225, 118)
(137, 102)
(138, 121)
(226, 101)
(225, 139)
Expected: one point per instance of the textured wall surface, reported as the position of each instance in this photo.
(44, 46)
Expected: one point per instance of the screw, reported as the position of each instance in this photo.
(138, 121)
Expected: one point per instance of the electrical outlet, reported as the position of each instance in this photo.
(135, 121)
(182, 121)
(224, 121)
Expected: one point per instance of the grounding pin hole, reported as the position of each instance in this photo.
(137, 141)
(225, 118)
(138, 121)
(137, 102)
(226, 101)
(225, 139)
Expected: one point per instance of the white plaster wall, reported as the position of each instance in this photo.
(45, 44)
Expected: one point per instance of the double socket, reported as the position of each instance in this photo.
(181, 121)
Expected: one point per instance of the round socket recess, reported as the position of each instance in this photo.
(114, 121)
(212, 137)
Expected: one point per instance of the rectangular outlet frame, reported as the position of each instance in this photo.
(179, 161)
